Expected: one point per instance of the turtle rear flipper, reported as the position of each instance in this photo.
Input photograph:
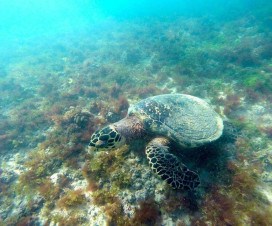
(168, 167)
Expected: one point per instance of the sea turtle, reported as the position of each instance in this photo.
(185, 120)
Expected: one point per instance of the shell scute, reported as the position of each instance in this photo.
(186, 119)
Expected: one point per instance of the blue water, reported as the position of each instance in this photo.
(20, 19)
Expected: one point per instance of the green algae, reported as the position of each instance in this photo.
(71, 199)
(252, 81)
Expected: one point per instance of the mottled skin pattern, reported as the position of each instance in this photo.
(117, 134)
(168, 167)
(107, 137)
(183, 119)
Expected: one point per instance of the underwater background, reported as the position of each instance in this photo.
(68, 68)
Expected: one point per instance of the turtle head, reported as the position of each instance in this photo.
(107, 137)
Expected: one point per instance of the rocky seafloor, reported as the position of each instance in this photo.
(56, 91)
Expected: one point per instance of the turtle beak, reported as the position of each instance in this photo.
(101, 144)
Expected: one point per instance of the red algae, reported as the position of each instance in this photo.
(267, 130)
(147, 214)
(146, 91)
(49, 191)
(121, 106)
(115, 91)
(232, 102)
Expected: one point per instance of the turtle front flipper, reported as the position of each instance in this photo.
(168, 167)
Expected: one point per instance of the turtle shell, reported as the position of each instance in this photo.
(188, 120)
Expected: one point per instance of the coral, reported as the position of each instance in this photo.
(82, 118)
